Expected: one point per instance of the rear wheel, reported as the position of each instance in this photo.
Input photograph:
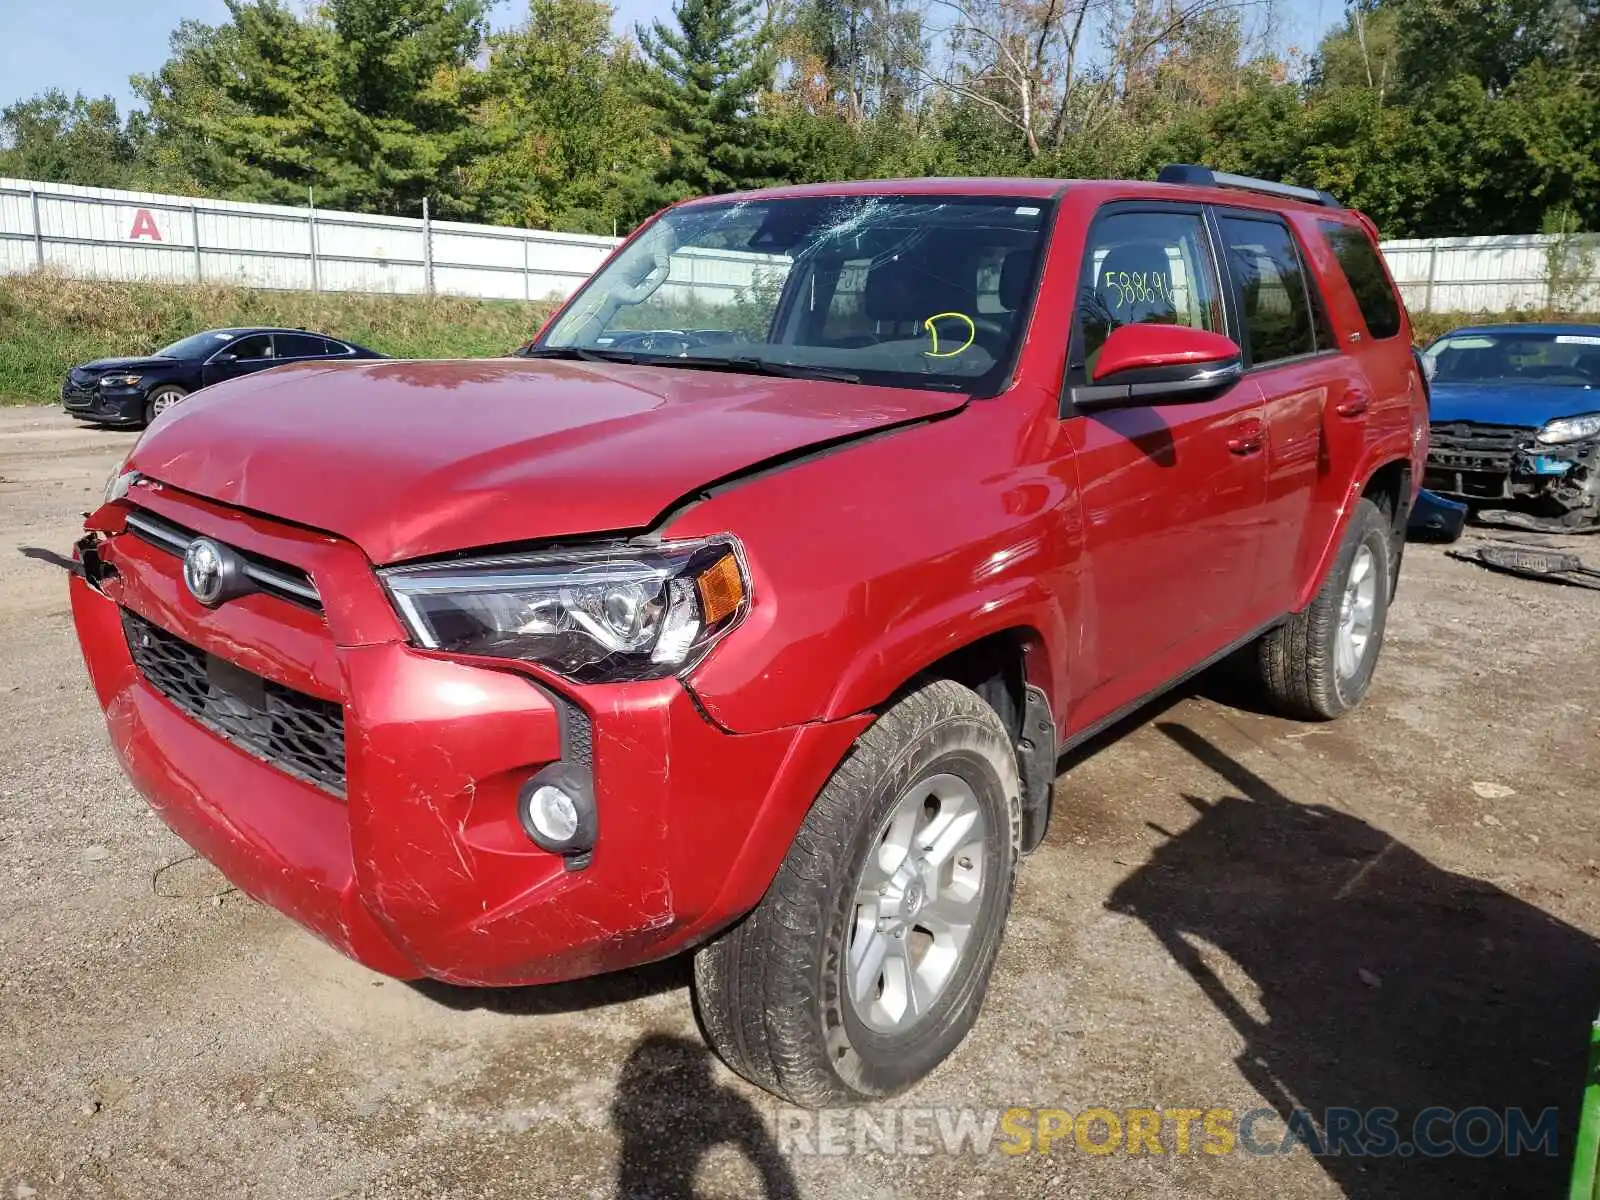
(161, 399)
(867, 961)
(1319, 663)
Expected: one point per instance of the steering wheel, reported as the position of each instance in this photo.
(671, 342)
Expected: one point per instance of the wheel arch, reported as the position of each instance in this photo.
(1009, 669)
(1388, 482)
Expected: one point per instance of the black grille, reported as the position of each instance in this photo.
(299, 734)
(1468, 446)
(78, 392)
(577, 735)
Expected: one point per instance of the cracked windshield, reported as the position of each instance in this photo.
(907, 291)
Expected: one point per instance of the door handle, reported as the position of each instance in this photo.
(1249, 437)
(1354, 404)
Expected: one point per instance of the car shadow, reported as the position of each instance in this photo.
(1371, 978)
(670, 1113)
(55, 559)
(579, 995)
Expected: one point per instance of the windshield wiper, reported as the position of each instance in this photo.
(754, 366)
(583, 354)
(747, 364)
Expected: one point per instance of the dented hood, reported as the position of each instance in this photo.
(409, 459)
(1527, 406)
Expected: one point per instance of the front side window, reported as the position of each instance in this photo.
(1358, 259)
(1146, 267)
(1276, 311)
(913, 291)
(257, 345)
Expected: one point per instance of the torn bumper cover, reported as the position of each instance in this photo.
(421, 867)
(1500, 463)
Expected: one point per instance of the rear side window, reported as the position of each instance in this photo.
(1358, 259)
(1146, 267)
(1279, 321)
(300, 345)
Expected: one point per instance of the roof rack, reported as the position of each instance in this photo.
(1196, 176)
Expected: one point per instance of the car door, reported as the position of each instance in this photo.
(1292, 356)
(1171, 492)
(251, 353)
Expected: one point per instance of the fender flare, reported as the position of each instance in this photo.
(911, 648)
(1377, 460)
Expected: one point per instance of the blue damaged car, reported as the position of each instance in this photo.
(1515, 419)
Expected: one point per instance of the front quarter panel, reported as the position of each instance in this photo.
(871, 563)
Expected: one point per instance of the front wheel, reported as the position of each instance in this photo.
(867, 961)
(1319, 663)
(162, 399)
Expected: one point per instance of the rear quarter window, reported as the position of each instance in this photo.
(1363, 270)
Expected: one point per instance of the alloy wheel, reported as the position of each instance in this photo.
(919, 898)
(1358, 613)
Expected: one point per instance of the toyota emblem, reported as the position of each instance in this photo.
(205, 570)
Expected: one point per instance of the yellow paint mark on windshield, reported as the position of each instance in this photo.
(933, 334)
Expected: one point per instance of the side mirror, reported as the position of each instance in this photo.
(224, 359)
(1161, 364)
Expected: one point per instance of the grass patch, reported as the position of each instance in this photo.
(49, 323)
(1428, 326)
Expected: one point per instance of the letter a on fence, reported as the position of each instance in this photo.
(144, 225)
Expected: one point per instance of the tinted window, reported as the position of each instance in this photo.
(300, 345)
(1358, 259)
(258, 345)
(1278, 321)
(1146, 267)
(1553, 359)
(915, 291)
(201, 345)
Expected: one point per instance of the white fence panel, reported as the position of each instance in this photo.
(1497, 274)
(101, 233)
(109, 234)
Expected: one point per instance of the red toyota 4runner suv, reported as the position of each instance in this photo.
(749, 607)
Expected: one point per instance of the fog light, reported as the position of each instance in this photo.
(556, 808)
(553, 815)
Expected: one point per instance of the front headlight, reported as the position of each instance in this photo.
(119, 483)
(1570, 429)
(612, 613)
(110, 381)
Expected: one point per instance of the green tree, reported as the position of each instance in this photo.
(1362, 53)
(366, 101)
(704, 77)
(560, 125)
(405, 85)
(1491, 40)
(77, 140)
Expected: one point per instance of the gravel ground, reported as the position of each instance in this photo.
(1231, 911)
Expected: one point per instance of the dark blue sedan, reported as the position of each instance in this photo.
(1515, 419)
(131, 391)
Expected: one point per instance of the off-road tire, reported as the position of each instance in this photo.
(1296, 661)
(770, 991)
(171, 392)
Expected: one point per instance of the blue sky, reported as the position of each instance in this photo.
(93, 46)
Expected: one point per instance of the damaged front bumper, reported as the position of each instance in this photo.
(418, 866)
(1494, 464)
